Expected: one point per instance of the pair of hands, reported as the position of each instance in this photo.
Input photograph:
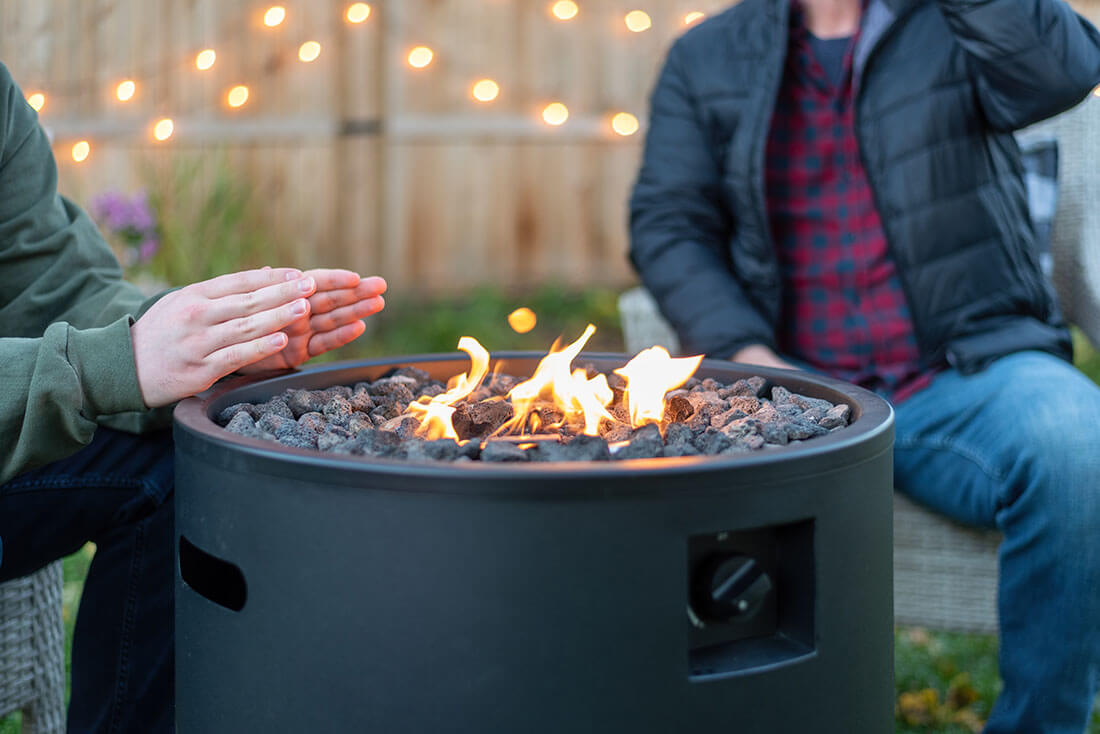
(252, 321)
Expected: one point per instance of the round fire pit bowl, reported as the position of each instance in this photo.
(336, 593)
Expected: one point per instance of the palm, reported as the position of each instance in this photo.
(337, 308)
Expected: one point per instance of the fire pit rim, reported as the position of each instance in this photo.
(870, 432)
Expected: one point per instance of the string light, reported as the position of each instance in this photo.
(275, 15)
(693, 17)
(624, 124)
(205, 59)
(485, 90)
(309, 51)
(125, 90)
(564, 10)
(37, 101)
(81, 150)
(555, 114)
(1096, 91)
(638, 21)
(420, 57)
(358, 12)
(237, 96)
(163, 129)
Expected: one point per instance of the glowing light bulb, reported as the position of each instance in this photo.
(638, 21)
(485, 90)
(237, 96)
(555, 114)
(125, 90)
(693, 17)
(358, 12)
(309, 51)
(163, 129)
(420, 57)
(564, 10)
(624, 124)
(81, 151)
(522, 320)
(275, 15)
(1096, 91)
(205, 59)
(37, 101)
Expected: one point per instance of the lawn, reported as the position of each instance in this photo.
(945, 682)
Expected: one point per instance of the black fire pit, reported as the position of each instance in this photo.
(742, 593)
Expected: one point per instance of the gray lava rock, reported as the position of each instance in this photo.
(305, 401)
(275, 406)
(332, 437)
(618, 432)
(378, 443)
(724, 419)
(336, 391)
(789, 411)
(678, 441)
(646, 443)
(815, 414)
(338, 411)
(502, 384)
(298, 439)
(228, 414)
(312, 421)
(836, 416)
(747, 404)
(678, 409)
(361, 401)
(430, 391)
(588, 448)
(713, 442)
(441, 450)
(775, 433)
(800, 430)
(403, 426)
(747, 426)
(780, 395)
(417, 375)
(503, 451)
(359, 422)
(242, 424)
(385, 412)
(396, 388)
(277, 425)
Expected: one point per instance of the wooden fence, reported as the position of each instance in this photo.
(359, 158)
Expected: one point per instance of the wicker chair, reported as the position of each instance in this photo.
(32, 651)
(945, 575)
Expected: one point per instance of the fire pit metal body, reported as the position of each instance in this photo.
(746, 593)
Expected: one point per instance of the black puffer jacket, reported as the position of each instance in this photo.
(942, 86)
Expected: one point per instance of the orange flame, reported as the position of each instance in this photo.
(435, 414)
(650, 375)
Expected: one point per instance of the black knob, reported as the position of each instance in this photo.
(732, 588)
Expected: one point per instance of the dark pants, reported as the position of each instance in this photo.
(117, 493)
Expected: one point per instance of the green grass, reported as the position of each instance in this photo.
(945, 682)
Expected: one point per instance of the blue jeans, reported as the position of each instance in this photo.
(1017, 448)
(116, 492)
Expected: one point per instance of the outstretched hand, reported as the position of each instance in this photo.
(337, 309)
(246, 321)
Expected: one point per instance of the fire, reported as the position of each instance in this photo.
(649, 376)
(555, 388)
(435, 413)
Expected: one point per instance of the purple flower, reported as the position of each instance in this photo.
(129, 222)
(147, 249)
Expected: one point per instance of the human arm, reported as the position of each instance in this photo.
(680, 228)
(1033, 58)
(762, 356)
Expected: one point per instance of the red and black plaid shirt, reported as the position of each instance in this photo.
(844, 311)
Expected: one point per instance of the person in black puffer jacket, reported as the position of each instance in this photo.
(835, 185)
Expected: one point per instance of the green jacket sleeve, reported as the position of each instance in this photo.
(66, 359)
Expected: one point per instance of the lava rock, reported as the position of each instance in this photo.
(815, 414)
(588, 448)
(799, 430)
(780, 395)
(301, 402)
(713, 442)
(332, 437)
(775, 433)
(618, 432)
(312, 421)
(298, 439)
(789, 411)
(361, 401)
(359, 422)
(710, 384)
(502, 384)
(397, 388)
(338, 411)
(417, 375)
(337, 391)
(441, 450)
(385, 412)
(679, 409)
(242, 424)
(479, 420)
(724, 419)
(747, 404)
(741, 427)
(430, 391)
(646, 443)
(752, 387)
(836, 416)
(378, 443)
(277, 425)
(275, 406)
(503, 451)
(403, 426)
(228, 414)
(678, 441)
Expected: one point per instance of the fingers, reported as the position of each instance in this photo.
(245, 281)
(342, 316)
(256, 325)
(331, 279)
(238, 305)
(235, 356)
(329, 340)
(325, 300)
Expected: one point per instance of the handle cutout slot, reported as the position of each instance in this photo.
(211, 577)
